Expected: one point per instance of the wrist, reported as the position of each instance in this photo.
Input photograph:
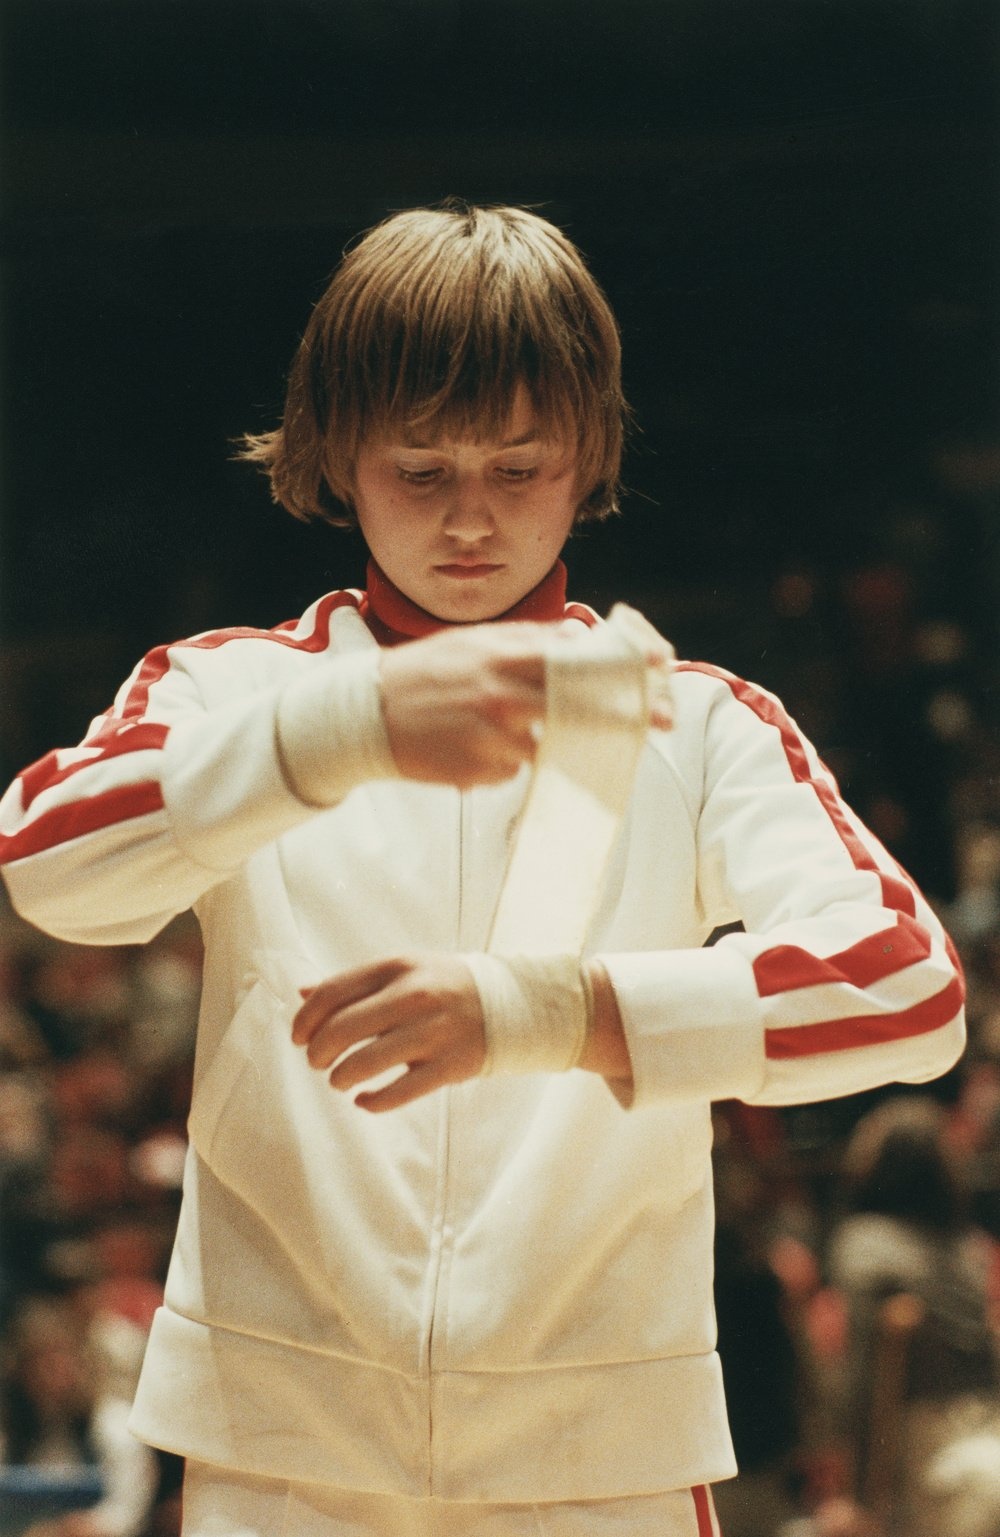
(605, 1050)
(536, 1011)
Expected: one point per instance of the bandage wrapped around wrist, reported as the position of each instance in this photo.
(331, 732)
(601, 687)
(537, 1011)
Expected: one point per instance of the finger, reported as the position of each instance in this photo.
(364, 1020)
(412, 1085)
(340, 991)
(322, 1030)
(394, 1048)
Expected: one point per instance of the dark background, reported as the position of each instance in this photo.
(792, 205)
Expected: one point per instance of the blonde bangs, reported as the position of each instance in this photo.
(433, 323)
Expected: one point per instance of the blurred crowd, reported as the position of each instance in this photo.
(858, 1254)
(858, 1258)
(95, 1050)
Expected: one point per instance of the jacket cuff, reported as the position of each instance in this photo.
(693, 1023)
(331, 731)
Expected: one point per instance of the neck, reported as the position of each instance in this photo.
(393, 617)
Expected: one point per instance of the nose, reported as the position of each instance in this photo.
(469, 516)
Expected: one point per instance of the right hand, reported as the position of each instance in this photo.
(463, 706)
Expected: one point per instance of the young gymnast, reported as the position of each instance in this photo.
(444, 1262)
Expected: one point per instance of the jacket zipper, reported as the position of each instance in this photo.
(439, 1234)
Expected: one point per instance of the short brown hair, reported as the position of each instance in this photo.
(433, 319)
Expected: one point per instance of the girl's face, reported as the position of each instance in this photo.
(467, 528)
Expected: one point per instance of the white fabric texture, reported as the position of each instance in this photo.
(218, 1503)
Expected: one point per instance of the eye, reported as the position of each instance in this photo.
(515, 474)
(415, 477)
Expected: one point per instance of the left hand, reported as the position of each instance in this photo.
(421, 1012)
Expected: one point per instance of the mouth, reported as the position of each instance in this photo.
(467, 569)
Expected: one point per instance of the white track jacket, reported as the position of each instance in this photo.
(502, 1292)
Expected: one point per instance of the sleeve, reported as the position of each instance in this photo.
(843, 979)
(165, 796)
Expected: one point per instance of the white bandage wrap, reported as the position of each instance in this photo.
(599, 692)
(536, 1011)
(601, 686)
(331, 731)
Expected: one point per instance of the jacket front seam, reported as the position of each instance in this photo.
(440, 1229)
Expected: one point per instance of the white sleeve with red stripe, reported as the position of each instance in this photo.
(104, 843)
(844, 978)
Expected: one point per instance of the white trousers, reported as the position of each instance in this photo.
(221, 1503)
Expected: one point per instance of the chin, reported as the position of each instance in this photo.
(468, 608)
(465, 614)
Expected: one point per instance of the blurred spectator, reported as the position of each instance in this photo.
(924, 1371)
(756, 1321)
(59, 1414)
(95, 1053)
(974, 915)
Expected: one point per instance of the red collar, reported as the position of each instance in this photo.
(392, 617)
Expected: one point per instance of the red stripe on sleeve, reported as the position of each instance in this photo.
(64, 823)
(897, 892)
(786, 967)
(126, 732)
(130, 737)
(880, 955)
(157, 663)
(866, 1029)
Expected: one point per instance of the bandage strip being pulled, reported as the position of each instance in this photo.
(534, 992)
